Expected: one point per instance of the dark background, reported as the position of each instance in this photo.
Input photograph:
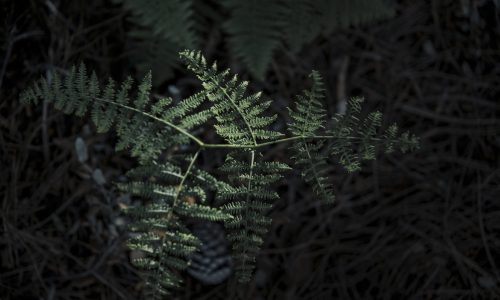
(423, 225)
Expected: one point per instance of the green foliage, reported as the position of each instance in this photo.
(249, 201)
(175, 189)
(240, 118)
(157, 230)
(140, 123)
(153, 52)
(307, 121)
(351, 139)
(163, 28)
(255, 30)
(170, 19)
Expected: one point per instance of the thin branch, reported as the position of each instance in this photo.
(169, 124)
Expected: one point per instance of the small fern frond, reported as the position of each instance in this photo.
(153, 52)
(351, 139)
(240, 117)
(158, 227)
(254, 29)
(352, 132)
(143, 126)
(248, 201)
(302, 23)
(308, 119)
(171, 19)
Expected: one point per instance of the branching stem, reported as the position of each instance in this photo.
(202, 144)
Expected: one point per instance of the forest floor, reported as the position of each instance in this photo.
(423, 225)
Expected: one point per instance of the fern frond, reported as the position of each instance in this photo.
(171, 19)
(160, 235)
(302, 23)
(153, 52)
(241, 121)
(254, 29)
(240, 117)
(176, 190)
(143, 126)
(351, 139)
(308, 119)
(352, 132)
(248, 201)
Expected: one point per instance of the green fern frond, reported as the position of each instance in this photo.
(302, 23)
(254, 29)
(352, 132)
(351, 139)
(171, 19)
(308, 119)
(144, 127)
(248, 201)
(176, 190)
(153, 52)
(241, 121)
(240, 117)
(159, 233)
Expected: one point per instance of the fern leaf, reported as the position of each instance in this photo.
(302, 23)
(160, 235)
(248, 202)
(308, 119)
(353, 132)
(240, 118)
(144, 127)
(153, 52)
(171, 19)
(254, 29)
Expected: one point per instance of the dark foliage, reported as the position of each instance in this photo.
(418, 226)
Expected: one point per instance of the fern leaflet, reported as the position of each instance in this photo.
(349, 133)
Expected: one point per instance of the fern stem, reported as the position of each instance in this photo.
(283, 140)
(169, 124)
(202, 144)
(181, 184)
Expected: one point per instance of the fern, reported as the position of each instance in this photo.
(159, 232)
(255, 30)
(240, 121)
(162, 29)
(302, 23)
(239, 116)
(350, 132)
(307, 120)
(249, 201)
(170, 19)
(244, 191)
(155, 53)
